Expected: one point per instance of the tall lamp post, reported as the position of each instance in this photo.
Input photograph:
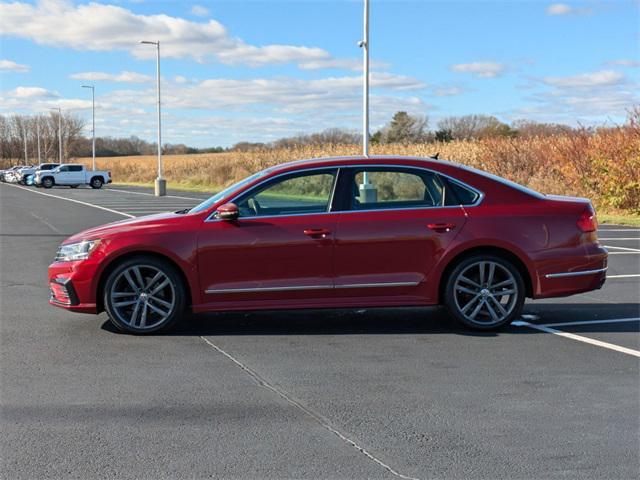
(38, 137)
(368, 192)
(24, 136)
(59, 133)
(93, 122)
(161, 183)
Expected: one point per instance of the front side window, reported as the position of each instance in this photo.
(296, 194)
(381, 188)
(64, 169)
(75, 168)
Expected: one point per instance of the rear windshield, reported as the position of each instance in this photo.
(502, 180)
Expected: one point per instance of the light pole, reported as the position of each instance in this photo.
(24, 135)
(368, 192)
(38, 137)
(364, 44)
(161, 183)
(93, 122)
(59, 133)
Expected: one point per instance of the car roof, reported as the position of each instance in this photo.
(360, 159)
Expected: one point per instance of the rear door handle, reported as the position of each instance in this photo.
(317, 232)
(441, 227)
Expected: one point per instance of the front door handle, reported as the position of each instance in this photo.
(317, 232)
(442, 227)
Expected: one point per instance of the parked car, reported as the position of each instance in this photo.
(26, 171)
(12, 175)
(72, 175)
(339, 232)
(3, 173)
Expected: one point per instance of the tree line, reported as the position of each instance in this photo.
(18, 131)
(21, 134)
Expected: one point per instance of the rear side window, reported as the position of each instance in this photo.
(389, 188)
(457, 194)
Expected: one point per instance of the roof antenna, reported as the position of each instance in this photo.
(435, 157)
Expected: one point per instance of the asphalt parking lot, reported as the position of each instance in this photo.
(388, 393)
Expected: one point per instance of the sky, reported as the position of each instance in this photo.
(260, 70)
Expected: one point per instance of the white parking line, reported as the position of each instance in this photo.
(109, 189)
(72, 200)
(579, 338)
(631, 275)
(624, 253)
(591, 322)
(620, 238)
(623, 248)
(324, 422)
(619, 229)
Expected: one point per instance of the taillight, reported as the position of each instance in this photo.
(109, 174)
(588, 221)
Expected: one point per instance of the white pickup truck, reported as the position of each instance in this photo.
(72, 174)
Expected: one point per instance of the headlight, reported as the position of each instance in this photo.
(76, 251)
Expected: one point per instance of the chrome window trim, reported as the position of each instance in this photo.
(339, 168)
(575, 274)
(311, 287)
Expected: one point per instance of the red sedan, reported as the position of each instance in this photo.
(339, 233)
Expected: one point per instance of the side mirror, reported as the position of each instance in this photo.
(228, 211)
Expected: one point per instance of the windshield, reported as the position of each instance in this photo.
(206, 205)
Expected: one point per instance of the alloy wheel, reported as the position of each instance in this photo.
(485, 293)
(143, 297)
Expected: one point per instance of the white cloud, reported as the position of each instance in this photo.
(594, 79)
(31, 92)
(9, 66)
(480, 69)
(559, 9)
(282, 94)
(625, 63)
(122, 77)
(100, 27)
(200, 11)
(587, 98)
(448, 91)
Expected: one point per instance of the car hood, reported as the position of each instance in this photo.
(130, 225)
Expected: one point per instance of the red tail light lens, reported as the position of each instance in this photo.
(109, 174)
(588, 221)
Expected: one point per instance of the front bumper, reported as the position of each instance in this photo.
(72, 285)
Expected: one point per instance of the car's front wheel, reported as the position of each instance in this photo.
(144, 295)
(47, 182)
(485, 292)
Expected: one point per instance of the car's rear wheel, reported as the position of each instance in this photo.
(47, 182)
(96, 182)
(144, 295)
(485, 292)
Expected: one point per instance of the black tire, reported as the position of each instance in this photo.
(143, 303)
(73, 186)
(48, 182)
(96, 183)
(484, 292)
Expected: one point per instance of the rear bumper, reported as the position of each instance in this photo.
(573, 275)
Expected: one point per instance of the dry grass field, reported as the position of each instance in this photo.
(602, 165)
